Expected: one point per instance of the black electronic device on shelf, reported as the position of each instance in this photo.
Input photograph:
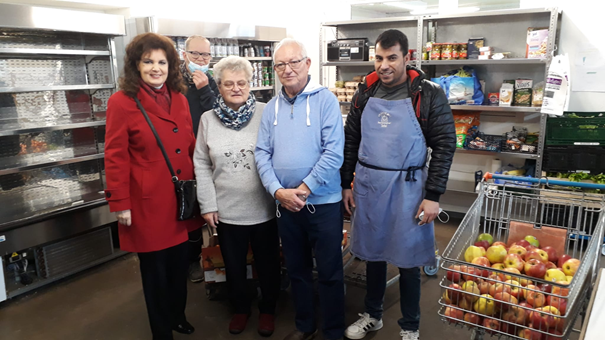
(349, 50)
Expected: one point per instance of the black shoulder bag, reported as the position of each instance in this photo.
(186, 191)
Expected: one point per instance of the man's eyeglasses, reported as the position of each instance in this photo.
(196, 54)
(293, 64)
(229, 85)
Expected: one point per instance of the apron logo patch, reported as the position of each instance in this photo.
(384, 119)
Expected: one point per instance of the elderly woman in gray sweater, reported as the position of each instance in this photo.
(231, 196)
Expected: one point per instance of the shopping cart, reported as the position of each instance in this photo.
(489, 300)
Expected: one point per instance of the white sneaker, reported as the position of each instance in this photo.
(361, 327)
(409, 335)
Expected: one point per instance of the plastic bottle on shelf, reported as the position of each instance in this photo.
(212, 45)
(252, 52)
(236, 47)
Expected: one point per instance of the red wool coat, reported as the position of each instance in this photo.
(136, 173)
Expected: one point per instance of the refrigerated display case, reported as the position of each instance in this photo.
(58, 69)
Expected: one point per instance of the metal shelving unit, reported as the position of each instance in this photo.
(54, 86)
(457, 28)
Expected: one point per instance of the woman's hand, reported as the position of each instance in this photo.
(124, 217)
(211, 218)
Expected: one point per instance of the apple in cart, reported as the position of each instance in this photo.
(537, 254)
(556, 335)
(484, 286)
(552, 253)
(499, 244)
(532, 240)
(540, 318)
(453, 314)
(499, 287)
(563, 259)
(515, 288)
(486, 237)
(505, 277)
(561, 291)
(496, 254)
(517, 249)
(558, 303)
(554, 275)
(453, 293)
(525, 282)
(498, 266)
(471, 274)
(514, 261)
(535, 299)
(472, 289)
(482, 244)
(454, 274)
(523, 243)
(528, 289)
(465, 304)
(485, 305)
(550, 265)
(472, 318)
(472, 252)
(527, 311)
(528, 333)
(482, 262)
(570, 267)
(505, 300)
(535, 268)
(508, 328)
(492, 324)
(515, 315)
(568, 278)
(494, 277)
(545, 287)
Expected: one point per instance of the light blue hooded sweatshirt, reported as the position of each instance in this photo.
(303, 142)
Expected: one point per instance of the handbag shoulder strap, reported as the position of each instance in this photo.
(157, 138)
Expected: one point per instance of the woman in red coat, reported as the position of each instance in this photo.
(139, 187)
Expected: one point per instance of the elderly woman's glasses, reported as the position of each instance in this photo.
(204, 55)
(293, 64)
(229, 85)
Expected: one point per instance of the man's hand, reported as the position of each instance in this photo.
(200, 79)
(347, 199)
(124, 217)
(307, 191)
(211, 218)
(289, 199)
(431, 210)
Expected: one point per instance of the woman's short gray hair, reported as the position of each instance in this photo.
(232, 63)
(290, 41)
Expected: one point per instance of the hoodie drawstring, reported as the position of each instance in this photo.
(308, 111)
(310, 207)
(276, 109)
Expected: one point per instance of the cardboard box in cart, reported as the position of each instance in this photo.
(214, 265)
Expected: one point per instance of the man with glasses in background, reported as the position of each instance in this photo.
(201, 94)
(298, 154)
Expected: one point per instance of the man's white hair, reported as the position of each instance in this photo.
(290, 41)
(234, 64)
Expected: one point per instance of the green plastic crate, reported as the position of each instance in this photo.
(576, 131)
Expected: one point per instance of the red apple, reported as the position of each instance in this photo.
(528, 308)
(482, 262)
(515, 315)
(483, 244)
(535, 299)
(554, 336)
(552, 253)
(535, 268)
(517, 249)
(516, 289)
(498, 287)
(527, 333)
(561, 291)
(523, 243)
(508, 328)
(530, 248)
(493, 277)
(491, 324)
(558, 303)
(453, 314)
(472, 274)
(562, 259)
(454, 274)
(571, 266)
(525, 282)
(545, 287)
(506, 277)
(542, 320)
(528, 289)
(537, 254)
(499, 244)
(504, 300)
(550, 265)
(472, 318)
(514, 261)
(484, 287)
(454, 293)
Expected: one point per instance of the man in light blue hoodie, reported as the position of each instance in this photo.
(298, 154)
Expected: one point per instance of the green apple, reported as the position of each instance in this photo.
(533, 241)
(486, 237)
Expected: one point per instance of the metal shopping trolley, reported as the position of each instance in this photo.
(504, 302)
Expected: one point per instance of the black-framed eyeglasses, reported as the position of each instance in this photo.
(293, 64)
(197, 54)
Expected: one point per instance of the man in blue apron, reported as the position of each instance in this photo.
(396, 115)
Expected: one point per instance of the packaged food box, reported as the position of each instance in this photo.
(523, 91)
(494, 98)
(506, 94)
(474, 46)
(537, 43)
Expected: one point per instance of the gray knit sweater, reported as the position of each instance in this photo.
(225, 170)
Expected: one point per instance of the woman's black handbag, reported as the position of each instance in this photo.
(186, 191)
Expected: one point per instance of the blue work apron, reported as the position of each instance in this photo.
(389, 187)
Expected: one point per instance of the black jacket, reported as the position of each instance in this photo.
(200, 100)
(435, 118)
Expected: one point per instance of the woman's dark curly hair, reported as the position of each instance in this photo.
(140, 46)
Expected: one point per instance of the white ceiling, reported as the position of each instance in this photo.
(403, 7)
